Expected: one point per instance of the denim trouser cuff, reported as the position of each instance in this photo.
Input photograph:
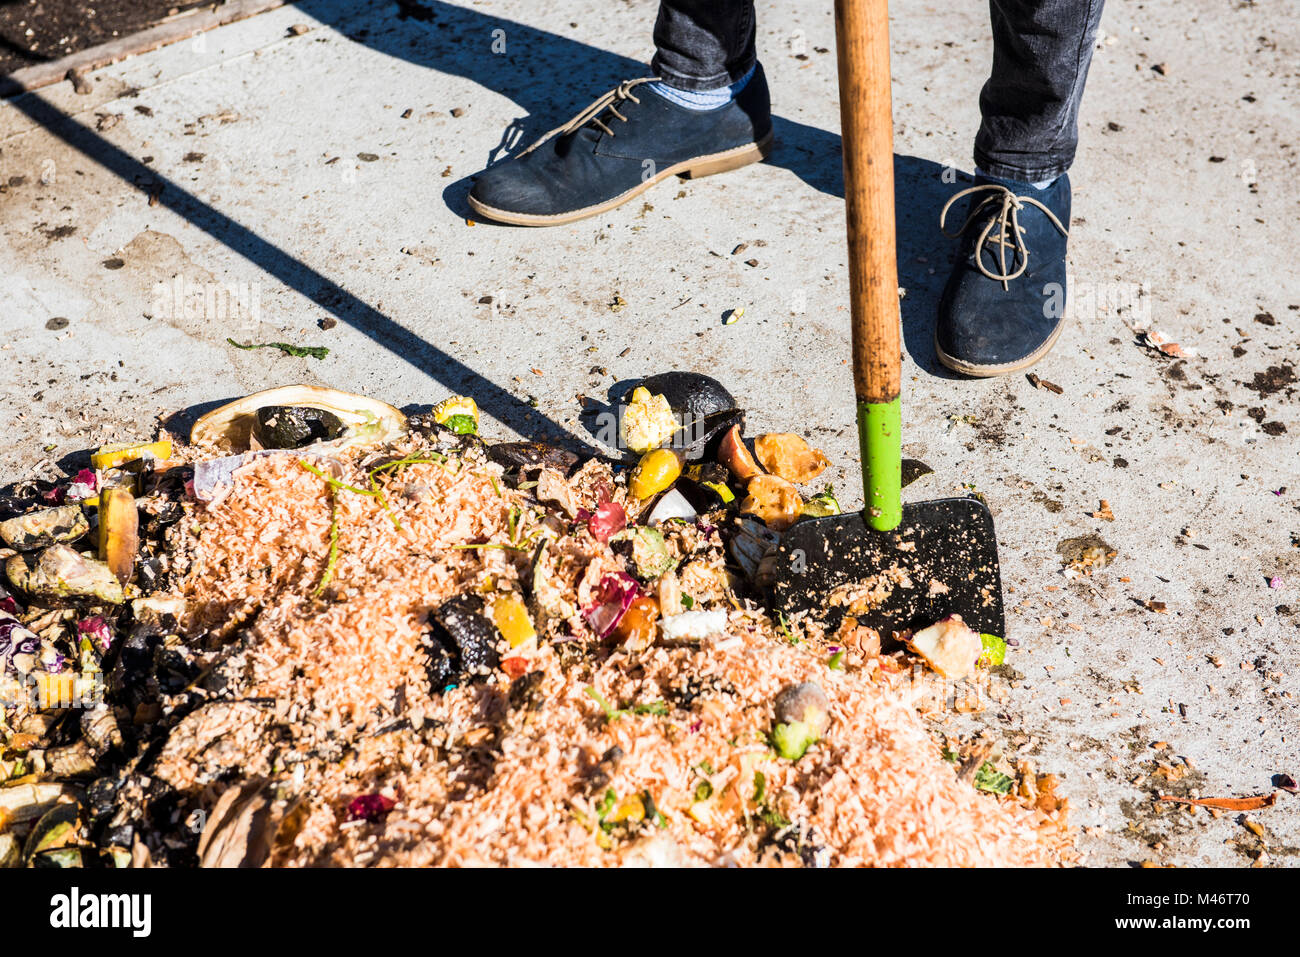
(1035, 170)
(715, 82)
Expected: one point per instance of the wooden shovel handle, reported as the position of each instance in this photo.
(867, 135)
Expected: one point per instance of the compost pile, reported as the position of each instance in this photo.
(321, 633)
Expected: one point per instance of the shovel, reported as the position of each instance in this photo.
(893, 567)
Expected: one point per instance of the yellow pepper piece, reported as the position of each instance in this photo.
(629, 810)
(111, 456)
(511, 618)
(658, 469)
(705, 812)
(457, 405)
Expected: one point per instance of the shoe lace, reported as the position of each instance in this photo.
(592, 114)
(1003, 207)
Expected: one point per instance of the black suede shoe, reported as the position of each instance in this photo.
(1004, 303)
(617, 148)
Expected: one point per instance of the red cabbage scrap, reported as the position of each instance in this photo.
(370, 807)
(15, 639)
(96, 629)
(83, 486)
(617, 592)
(608, 520)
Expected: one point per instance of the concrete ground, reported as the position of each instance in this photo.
(258, 183)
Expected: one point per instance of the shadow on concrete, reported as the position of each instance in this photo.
(549, 76)
(297, 275)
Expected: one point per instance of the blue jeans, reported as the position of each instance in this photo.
(1029, 106)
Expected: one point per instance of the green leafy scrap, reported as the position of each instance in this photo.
(313, 352)
(659, 708)
(988, 778)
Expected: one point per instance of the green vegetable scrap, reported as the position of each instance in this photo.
(760, 787)
(995, 651)
(784, 628)
(328, 575)
(774, 819)
(793, 739)
(462, 424)
(988, 778)
(658, 708)
(653, 813)
(314, 352)
(822, 504)
(650, 552)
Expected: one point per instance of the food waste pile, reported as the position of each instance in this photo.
(319, 632)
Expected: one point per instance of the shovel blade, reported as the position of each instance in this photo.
(946, 548)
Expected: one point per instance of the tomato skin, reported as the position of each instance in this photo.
(639, 623)
(515, 667)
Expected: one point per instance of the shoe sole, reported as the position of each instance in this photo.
(989, 371)
(694, 168)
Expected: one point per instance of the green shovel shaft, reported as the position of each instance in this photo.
(880, 437)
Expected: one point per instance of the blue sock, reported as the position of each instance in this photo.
(702, 99)
(1018, 182)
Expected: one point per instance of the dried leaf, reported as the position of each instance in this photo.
(236, 832)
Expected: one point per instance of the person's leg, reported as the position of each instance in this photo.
(1030, 104)
(704, 44)
(709, 112)
(1004, 304)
